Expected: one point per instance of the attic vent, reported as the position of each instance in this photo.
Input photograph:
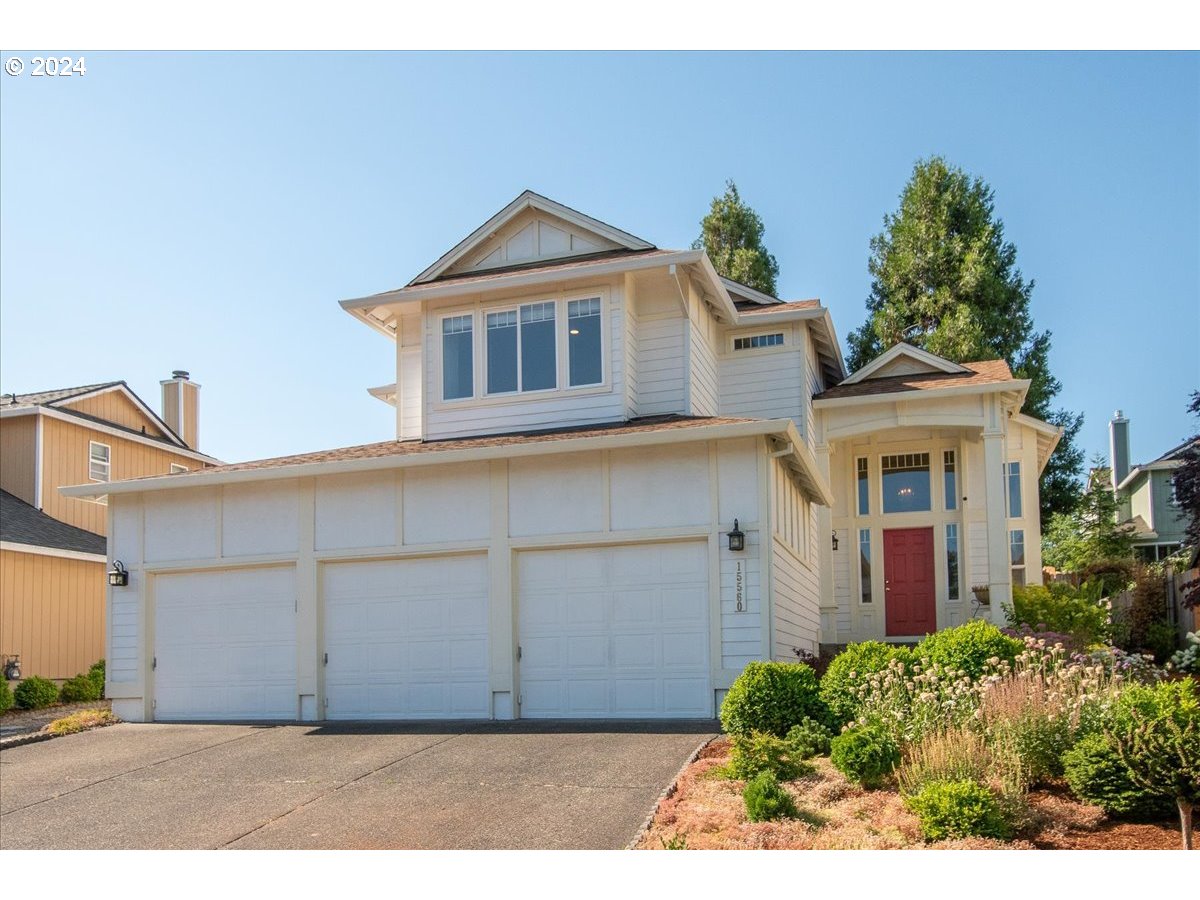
(756, 341)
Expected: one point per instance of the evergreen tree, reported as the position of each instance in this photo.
(1186, 480)
(732, 236)
(944, 279)
(1091, 533)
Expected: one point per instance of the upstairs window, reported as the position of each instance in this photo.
(583, 342)
(538, 366)
(906, 483)
(950, 479)
(458, 374)
(99, 461)
(757, 341)
(1012, 474)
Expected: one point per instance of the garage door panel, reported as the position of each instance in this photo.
(225, 644)
(407, 639)
(604, 645)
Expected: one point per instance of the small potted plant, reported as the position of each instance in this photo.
(983, 594)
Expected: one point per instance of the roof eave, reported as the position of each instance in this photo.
(1018, 386)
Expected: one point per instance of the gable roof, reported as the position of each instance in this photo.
(61, 398)
(931, 362)
(985, 372)
(527, 200)
(22, 524)
(49, 398)
(1172, 459)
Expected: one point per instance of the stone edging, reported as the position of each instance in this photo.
(667, 793)
(34, 737)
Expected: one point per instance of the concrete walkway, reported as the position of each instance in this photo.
(445, 785)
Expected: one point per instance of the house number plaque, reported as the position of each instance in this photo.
(739, 587)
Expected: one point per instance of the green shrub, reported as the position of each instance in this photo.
(808, 739)
(766, 799)
(867, 754)
(969, 647)
(35, 692)
(1096, 775)
(1058, 607)
(6, 696)
(80, 689)
(96, 673)
(760, 752)
(772, 697)
(959, 809)
(850, 668)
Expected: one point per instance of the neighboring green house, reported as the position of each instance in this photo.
(1147, 495)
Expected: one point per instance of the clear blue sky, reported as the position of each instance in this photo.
(207, 211)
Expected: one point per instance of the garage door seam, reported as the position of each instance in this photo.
(334, 790)
(158, 762)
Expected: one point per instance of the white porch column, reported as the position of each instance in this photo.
(999, 569)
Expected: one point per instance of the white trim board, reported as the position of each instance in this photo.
(914, 353)
(36, 550)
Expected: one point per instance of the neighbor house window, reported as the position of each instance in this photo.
(757, 341)
(1016, 544)
(99, 461)
(585, 363)
(539, 370)
(864, 486)
(458, 374)
(1012, 472)
(952, 562)
(864, 563)
(950, 479)
(906, 483)
(176, 468)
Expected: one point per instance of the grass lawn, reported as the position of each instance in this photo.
(707, 812)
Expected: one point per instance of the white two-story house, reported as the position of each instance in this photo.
(617, 479)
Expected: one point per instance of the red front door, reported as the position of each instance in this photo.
(909, 599)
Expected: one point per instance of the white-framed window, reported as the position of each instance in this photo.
(864, 564)
(520, 350)
(1016, 548)
(862, 469)
(99, 461)
(758, 341)
(952, 567)
(950, 479)
(585, 342)
(1012, 476)
(176, 468)
(906, 485)
(458, 372)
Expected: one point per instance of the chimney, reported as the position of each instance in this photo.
(181, 407)
(1118, 445)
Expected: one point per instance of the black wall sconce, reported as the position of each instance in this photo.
(119, 576)
(835, 542)
(737, 540)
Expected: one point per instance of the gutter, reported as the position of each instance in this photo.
(1017, 384)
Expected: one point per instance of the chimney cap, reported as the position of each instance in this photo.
(1118, 416)
(180, 374)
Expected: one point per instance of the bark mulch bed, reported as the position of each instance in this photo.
(706, 813)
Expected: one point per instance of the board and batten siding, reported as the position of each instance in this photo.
(795, 587)
(65, 462)
(52, 612)
(18, 457)
(688, 492)
(115, 407)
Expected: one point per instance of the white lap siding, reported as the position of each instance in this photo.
(795, 589)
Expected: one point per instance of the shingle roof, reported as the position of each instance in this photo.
(990, 371)
(782, 306)
(44, 398)
(21, 523)
(409, 448)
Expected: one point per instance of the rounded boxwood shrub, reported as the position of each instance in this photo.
(772, 697)
(969, 647)
(35, 692)
(851, 668)
(958, 809)
(867, 754)
(1096, 775)
(766, 799)
(6, 696)
(80, 689)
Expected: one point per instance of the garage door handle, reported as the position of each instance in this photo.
(154, 663)
(326, 659)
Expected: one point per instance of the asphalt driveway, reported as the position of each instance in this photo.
(495, 785)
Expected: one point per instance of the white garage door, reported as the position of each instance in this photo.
(225, 645)
(615, 632)
(407, 639)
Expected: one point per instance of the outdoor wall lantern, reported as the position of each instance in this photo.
(737, 540)
(119, 576)
(835, 540)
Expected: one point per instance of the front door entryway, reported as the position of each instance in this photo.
(910, 606)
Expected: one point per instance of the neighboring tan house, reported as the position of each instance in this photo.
(618, 478)
(1146, 495)
(52, 547)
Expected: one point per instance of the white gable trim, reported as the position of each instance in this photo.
(528, 200)
(902, 349)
